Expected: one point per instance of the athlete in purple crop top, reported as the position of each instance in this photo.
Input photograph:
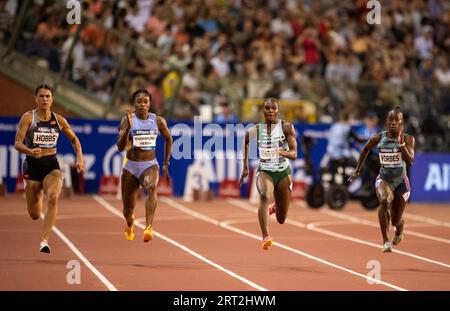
(138, 133)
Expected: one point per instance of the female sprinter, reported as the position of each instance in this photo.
(276, 143)
(40, 128)
(392, 184)
(138, 133)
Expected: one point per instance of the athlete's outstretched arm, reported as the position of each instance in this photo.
(289, 132)
(363, 155)
(407, 145)
(67, 130)
(249, 134)
(164, 130)
(124, 132)
(24, 125)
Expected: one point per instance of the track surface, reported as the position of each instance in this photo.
(216, 245)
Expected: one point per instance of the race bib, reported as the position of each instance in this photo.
(144, 140)
(391, 159)
(268, 153)
(49, 138)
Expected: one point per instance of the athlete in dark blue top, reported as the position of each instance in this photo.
(40, 129)
(396, 150)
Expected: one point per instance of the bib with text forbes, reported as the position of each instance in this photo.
(45, 137)
(390, 157)
(144, 139)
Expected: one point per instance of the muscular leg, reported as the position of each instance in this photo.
(130, 186)
(398, 207)
(265, 188)
(51, 184)
(149, 179)
(34, 196)
(282, 198)
(385, 196)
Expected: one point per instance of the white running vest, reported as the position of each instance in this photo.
(268, 144)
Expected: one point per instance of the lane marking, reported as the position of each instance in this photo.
(88, 264)
(427, 220)
(113, 210)
(374, 224)
(254, 210)
(225, 225)
(314, 227)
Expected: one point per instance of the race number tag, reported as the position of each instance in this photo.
(40, 138)
(391, 159)
(268, 153)
(144, 140)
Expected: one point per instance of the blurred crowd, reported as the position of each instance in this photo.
(323, 51)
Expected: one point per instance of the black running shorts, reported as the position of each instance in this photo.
(37, 168)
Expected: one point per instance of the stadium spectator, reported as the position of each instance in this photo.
(251, 45)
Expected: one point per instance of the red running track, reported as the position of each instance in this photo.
(216, 245)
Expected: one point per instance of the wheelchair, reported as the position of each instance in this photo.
(330, 185)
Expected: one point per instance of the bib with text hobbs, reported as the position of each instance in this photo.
(391, 157)
(44, 137)
(144, 139)
(42, 134)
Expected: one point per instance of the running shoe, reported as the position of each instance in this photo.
(398, 237)
(44, 247)
(272, 208)
(148, 234)
(129, 232)
(387, 247)
(266, 243)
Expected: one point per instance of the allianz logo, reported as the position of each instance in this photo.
(82, 129)
(438, 177)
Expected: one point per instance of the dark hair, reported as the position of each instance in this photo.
(139, 91)
(396, 109)
(272, 100)
(44, 86)
(345, 115)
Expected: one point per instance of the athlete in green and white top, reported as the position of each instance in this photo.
(396, 150)
(270, 142)
(276, 144)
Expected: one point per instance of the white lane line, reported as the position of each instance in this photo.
(252, 209)
(374, 224)
(238, 221)
(88, 264)
(225, 225)
(427, 220)
(82, 216)
(113, 210)
(314, 227)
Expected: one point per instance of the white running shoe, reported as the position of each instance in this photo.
(387, 247)
(44, 247)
